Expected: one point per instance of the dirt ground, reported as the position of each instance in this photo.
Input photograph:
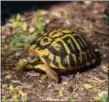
(83, 17)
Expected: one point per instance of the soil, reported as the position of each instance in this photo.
(86, 18)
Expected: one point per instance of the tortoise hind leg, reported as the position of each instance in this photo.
(50, 72)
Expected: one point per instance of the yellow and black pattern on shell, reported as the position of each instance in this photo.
(67, 49)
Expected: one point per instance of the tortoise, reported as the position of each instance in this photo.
(61, 50)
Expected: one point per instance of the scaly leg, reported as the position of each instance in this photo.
(50, 72)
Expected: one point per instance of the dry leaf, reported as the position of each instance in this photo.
(88, 86)
(24, 26)
(105, 68)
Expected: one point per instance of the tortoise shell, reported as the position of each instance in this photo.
(64, 49)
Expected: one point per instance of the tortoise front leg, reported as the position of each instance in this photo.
(50, 72)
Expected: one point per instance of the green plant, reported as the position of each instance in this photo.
(17, 24)
(102, 97)
(5, 101)
(16, 94)
(19, 40)
(38, 23)
(106, 15)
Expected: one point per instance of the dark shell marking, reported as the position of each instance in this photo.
(67, 49)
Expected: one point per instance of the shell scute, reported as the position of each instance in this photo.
(66, 49)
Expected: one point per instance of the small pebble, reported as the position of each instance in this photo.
(16, 82)
(8, 77)
(33, 74)
(31, 29)
(44, 12)
(26, 85)
(87, 2)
